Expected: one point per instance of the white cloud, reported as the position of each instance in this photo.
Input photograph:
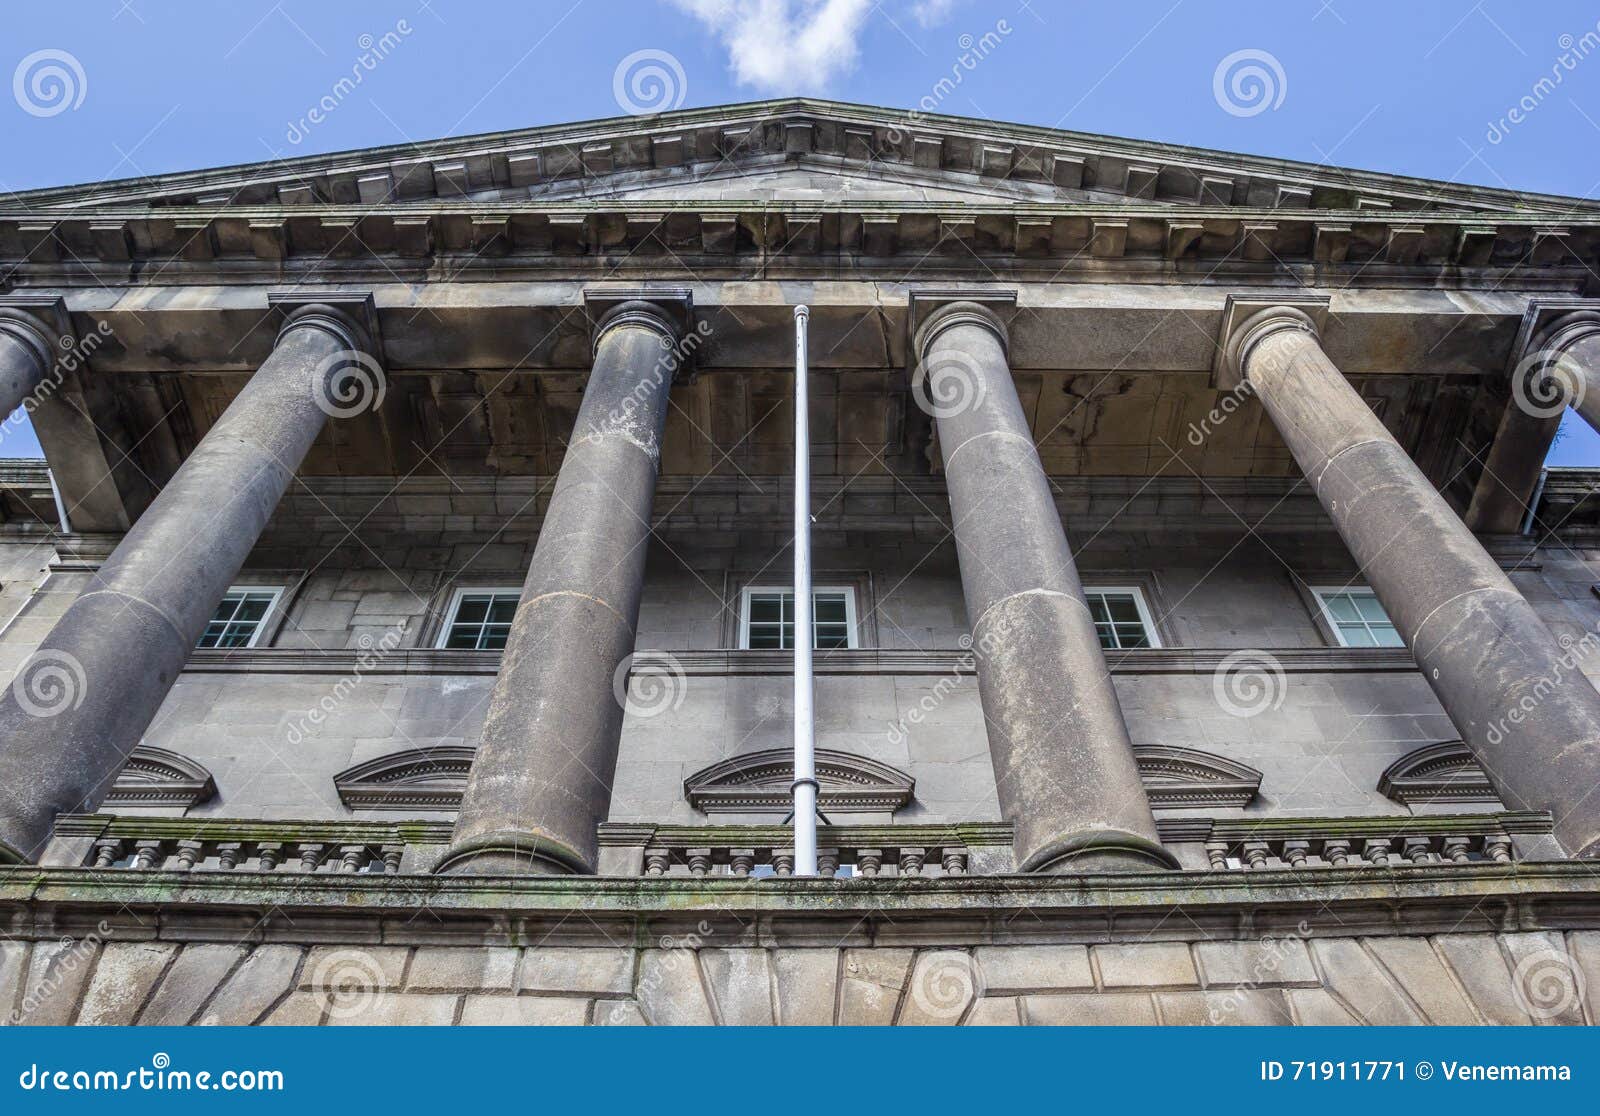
(786, 46)
(931, 13)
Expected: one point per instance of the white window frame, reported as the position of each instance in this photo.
(442, 640)
(261, 625)
(853, 635)
(1151, 635)
(1332, 624)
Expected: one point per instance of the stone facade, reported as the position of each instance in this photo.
(1216, 382)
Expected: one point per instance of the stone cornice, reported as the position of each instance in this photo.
(951, 661)
(326, 908)
(521, 160)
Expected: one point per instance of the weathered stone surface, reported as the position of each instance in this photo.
(461, 969)
(1361, 985)
(669, 991)
(1027, 968)
(122, 980)
(872, 982)
(1481, 968)
(562, 969)
(806, 980)
(1545, 981)
(618, 1013)
(255, 986)
(1089, 1009)
(298, 1009)
(524, 1011)
(189, 982)
(740, 984)
(357, 969)
(399, 1009)
(995, 1011)
(13, 976)
(1235, 1007)
(57, 974)
(1419, 971)
(1263, 963)
(1315, 1007)
(942, 986)
(1146, 965)
(1583, 946)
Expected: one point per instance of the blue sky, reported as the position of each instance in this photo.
(1414, 88)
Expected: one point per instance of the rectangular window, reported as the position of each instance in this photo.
(1357, 619)
(1121, 619)
(239, 617)
(479, 619)
(766, 618)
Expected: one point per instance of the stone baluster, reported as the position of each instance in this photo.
(1377, 850)
(1417, 850)
(869, 862)
(81, 703)
(190, 853)
(1336, 852)
(742, 861)
(827, 863)
(311, 853)
(353, 858)
(1498, 849)
(107, 853)
(912, 860)
(1457, 850)
(1217, 854)
(148, 855)
(954, 861)
(229, 854)
(392, 855)
(269, 854)
(657, 861)
(1256, 854)
(541, 778)
(783, 862)
(1064, 765)
(1519, 700)
(699, 861)
(1296, 852)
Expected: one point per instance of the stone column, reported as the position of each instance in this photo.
(1569, 354)
(82, 701)
(1063, 763)
(541, 778)
(29, 346)
(1518, 698)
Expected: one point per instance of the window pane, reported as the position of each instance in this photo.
(1341, 607)
(764, 608)
(1097, 608)
(828, 608)
(1356, 635)
(226, 607)
(251, 609)
(1122, 608)
(766, 639)
(1386, 636)
(472, 610)
(502, 610)
(494, 637)
(1369, 608)
(1132, 635)
(1107, 634)
(462, 638)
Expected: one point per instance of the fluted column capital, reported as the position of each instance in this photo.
(1249, 320)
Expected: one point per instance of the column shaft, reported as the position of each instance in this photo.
(27, 355)
(82, 701)
(1583, 354)
(1063, 763)
(1518, 698)
(541, 778)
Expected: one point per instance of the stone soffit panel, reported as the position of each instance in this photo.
(952, 156)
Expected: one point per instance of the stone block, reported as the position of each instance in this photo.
(189, 982)
(1033, 968)
(399, 1009)
(462, 969)
(1146, 965)
(995, 1011)
(255, 986)
(57, 975)
(618, 1013)
(942, 986)
(740, 984)
(1482, 971)
(1584, 948)
(13, 977)
(1089, 1009)
(1414, 964)
(353, 970)
(807, 982)
(1316, 1007)
(1260, 963)
(524, 1011)
(298, 1009)
(122, 980)
(1234, 1007)
(1360, 984)
(871, 987)
(564, 969)
(670, 992)
(1546, 982)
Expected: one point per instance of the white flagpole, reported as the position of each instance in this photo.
(805, 758)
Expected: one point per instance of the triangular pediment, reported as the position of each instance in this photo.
(817, 151)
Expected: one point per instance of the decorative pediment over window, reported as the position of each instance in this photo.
(760, 783)
(416, 779)
(1444, 772)
(1182, 777)
(157, 777)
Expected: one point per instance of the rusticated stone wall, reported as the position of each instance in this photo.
(1453, 978)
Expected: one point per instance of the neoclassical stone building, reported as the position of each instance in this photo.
(399, 627)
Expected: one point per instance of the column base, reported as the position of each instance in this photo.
(1101, 850)
(511, 853)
